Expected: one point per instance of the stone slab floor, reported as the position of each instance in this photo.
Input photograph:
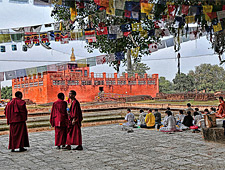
(108, 147)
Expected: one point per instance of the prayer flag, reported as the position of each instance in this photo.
(221, 14)
(81, 65)
(135, 15)
(217, 27)
(185, 9)
(14, 47)
(17, 37)
(110, 58)
(73, 13)
(5, 38)
(3, 48)
(41, 69)
(114, 29)
(65, 39)
(161, 45)
(57, 36)
(119, 55)
(126, 28)
(51, 67)
(146, 8)
(101, 59)
(137, 27)
(31, 71)
(82, 61)
(72, 66)
(135, 52)
(171, 10)
(57, 2)
(111, 8)
(61, 67)
(21, 73)
(170, 42)
(207, 9)
(119, 4)
(127, 14)
(36, 28)
(1, 76)
(190, 19)
(91, 61)
(35, 38)
(9, 75)
(102, 31)
(153, 47)
(144, 33)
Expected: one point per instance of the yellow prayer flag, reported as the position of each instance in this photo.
(73, 13)
(135, 52)
(144, 33)
(57, 2)
(146, 8)
(5, 38)
(110, 10)
(137, 27)
(207, 9)
(217, 27)
(151, 16)
(189, 19)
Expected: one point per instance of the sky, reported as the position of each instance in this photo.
(162, 62)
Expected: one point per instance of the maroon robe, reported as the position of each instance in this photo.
(59, 120)
(74, 131)
(16, 114)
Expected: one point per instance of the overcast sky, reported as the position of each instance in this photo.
(20, 15)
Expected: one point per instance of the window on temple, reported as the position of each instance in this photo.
(141, 82)
(35, 84)
(31, 84)
(121, 82)
(111, 82)
(151, 81)
(99, 82)
(40, 83)
(132, 82)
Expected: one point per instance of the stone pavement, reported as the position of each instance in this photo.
(107, 147)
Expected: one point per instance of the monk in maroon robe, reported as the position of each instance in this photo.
(221, 108)
(59, 120)
(16, 114)
(74, 130)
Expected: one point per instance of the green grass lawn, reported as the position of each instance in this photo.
(214, 102)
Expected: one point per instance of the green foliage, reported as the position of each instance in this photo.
(165, 86)
(208, 77)
(139, 68)
(183, 83)
(6, 92)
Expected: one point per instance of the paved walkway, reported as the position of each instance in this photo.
(107, 147)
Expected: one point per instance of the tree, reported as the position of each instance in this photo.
(165, 86)
(6, 92)
(139, 68)
(208, 77)
(183, 83)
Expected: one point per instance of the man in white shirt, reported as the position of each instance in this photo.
(130, 118)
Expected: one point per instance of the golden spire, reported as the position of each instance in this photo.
(72, 57)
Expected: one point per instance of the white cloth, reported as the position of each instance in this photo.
(142, 118)
(197, 120)
(130, 119)
(170, 124)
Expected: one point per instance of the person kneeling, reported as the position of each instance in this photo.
(149, 120)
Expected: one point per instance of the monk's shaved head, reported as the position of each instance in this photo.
(19, 94)
(72, 94)
(61, 96)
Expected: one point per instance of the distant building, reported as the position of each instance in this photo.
(43, 88)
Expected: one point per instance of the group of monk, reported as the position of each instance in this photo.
(67, 122)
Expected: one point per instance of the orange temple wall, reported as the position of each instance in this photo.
(44, 88)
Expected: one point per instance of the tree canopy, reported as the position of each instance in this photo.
(6, 92)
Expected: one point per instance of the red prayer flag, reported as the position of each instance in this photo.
(127, 13)
(185, 9)
(102, 31)
(171, 10)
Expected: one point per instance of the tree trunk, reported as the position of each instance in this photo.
(129, 63)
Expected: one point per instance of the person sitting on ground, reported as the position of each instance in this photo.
(197, 110)
(166, 117)
(180, 116)
(142, 117)
(169, 124)
(157, 115)
(149, 120)
(206, 111)
(129, 118)
(221, 112)
(197, 119)
(189, 109)
(212, 110)
(168, 109)
(188, 120)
